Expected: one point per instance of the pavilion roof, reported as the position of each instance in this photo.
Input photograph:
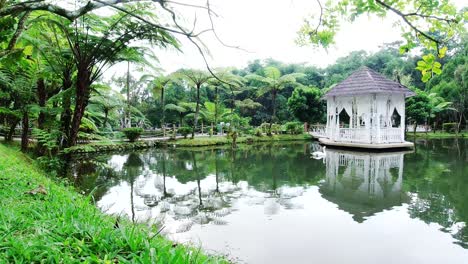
(366, 81)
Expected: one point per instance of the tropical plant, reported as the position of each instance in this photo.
(196, 79)
(272, 82)
(132, 133)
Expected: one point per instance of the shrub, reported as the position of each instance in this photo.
(258, 132)
(293, 127)
(132, 133)
(450, 127)
(184, 131)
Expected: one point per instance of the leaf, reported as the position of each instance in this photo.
(28, 50)
(442, 52)
(426, 76)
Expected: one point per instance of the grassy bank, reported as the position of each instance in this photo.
(44, 221)
(210, 141)
(437, 134)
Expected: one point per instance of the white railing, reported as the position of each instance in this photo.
(363, 135)
(318, 130)
(390, 135)
(353, 135)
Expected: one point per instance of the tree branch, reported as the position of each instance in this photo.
(71, 15)
(405, 19)
(19, 30)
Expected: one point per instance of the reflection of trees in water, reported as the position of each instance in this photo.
(435, 185)
(437, 176)
(271, 175)
(90, 174)
(216, 179)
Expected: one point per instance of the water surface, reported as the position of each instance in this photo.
(274, 203)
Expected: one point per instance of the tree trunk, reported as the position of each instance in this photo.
(128, 120)
(414, 128)
(459, 122)
(216, 106)
(24, 132)
(273, 105)
(163, 125)
(82, 98)
(197, 109)
(106, 117)
(11, 131)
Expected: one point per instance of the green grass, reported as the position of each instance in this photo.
(210, 141)
(63, 226)
(437, 134)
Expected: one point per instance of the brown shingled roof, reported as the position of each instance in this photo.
(365, 81)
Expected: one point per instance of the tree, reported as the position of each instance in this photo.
(181, 109)
(417, 108)
(272, 82)
(158, 86)
(437, 104)
(306, 104)
(196, 79)
(224, 81)
(106, 101)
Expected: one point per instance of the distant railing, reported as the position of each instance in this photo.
(318, 130)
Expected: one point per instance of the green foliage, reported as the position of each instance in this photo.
(132, 133)
(184, 131)
(294, 128)
(429, 66)
(47, 139)
(417, 107)
(450, 127)
(306, 104)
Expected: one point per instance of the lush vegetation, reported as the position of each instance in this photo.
(43, 221)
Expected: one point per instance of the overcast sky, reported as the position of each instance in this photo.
(268, 29)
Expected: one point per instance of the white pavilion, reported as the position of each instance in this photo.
(366, 110)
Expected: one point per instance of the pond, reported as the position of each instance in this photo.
(274, 203)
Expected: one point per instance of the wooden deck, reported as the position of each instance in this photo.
(328, 142)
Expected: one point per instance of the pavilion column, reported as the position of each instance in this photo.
(403, 122)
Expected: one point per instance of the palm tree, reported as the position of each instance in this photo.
(226, 81)
(106, 101)
(272, 82)
(196, 79)
(182, 109)
(158, 86)
(211, 111)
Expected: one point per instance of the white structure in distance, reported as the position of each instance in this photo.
(366, 110)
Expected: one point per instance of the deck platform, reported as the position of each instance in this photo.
(328, 142)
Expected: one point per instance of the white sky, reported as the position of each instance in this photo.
(268, 29)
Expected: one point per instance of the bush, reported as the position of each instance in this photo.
(258, 132)
(294, 127)
(450, 127)
(132, 133)
(184, 131)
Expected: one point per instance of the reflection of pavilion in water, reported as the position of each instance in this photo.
(363, 184)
